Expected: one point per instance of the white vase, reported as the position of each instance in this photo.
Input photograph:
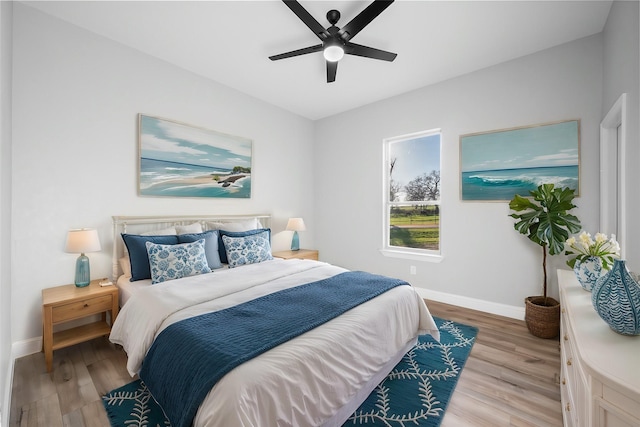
(588, 271)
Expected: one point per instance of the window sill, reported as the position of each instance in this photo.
(412, 255)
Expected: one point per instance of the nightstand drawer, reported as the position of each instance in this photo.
(299, 254)
(78, 309)
(309, 255)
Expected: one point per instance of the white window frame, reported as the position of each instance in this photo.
(397, 251)
(613, 174)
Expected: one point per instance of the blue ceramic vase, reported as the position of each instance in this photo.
(616, 299)
(588, 271)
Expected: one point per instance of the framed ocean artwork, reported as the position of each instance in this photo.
(179, 160)
(497, 165)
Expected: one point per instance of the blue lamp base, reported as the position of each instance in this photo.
(83, 274)
(295, 242)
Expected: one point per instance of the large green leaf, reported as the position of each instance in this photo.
(520, 203)
(544, 218)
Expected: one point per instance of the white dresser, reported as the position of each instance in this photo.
(600, 381)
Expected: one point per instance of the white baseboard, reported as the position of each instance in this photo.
(511, 311)
(26, 347)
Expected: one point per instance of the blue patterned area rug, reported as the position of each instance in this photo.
(415, 393)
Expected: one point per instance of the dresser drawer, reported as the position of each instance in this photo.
(82, 308)
(625, 403)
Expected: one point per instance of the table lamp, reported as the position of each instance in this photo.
(295, 225)
(78, 242)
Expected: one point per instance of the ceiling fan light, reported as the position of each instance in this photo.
(333, 53)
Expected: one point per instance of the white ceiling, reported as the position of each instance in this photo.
(230, 41)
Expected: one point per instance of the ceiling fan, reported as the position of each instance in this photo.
(336, 42)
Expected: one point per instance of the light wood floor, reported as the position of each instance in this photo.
(510, 379)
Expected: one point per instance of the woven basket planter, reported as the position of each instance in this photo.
(543, 320)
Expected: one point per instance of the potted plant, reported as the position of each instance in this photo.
(544, 220)
(591, 258)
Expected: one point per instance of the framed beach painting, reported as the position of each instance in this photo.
(497, 165)
(179, 160)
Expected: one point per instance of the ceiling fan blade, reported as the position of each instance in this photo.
(308, 20)
(369, 52)
(298, 52)
(332, 68)
(364, 18)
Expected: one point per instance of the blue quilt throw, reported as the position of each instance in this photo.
(188, 359)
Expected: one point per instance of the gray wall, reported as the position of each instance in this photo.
(484, 258)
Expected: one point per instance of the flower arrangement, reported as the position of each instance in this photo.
(584, 247)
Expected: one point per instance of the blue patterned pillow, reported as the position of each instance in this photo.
(169, 262)
(247, 249)
(223, 251)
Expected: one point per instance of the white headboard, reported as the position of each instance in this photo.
(143, 224)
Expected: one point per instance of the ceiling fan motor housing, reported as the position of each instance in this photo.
(333, 16)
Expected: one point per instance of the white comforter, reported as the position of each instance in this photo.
(303, 382)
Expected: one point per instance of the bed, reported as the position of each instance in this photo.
(315, 376)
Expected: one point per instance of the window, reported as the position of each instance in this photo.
(412, 195)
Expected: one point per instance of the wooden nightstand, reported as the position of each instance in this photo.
(301, 254)
(68, 302)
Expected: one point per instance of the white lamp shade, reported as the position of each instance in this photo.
(82, 240)
(296, 224)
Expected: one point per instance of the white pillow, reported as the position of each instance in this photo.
(171, 231)
(244, 225)
(125, 265)
(194, 228)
